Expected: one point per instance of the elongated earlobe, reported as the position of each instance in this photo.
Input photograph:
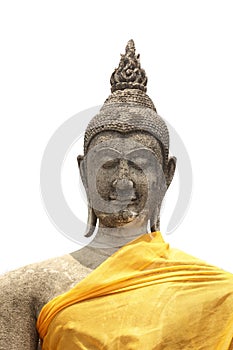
(92, 219)
(154, 219)
(91, 222)
(80, 159)
(155, 223)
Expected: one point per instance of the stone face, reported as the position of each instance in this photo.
(120, 177)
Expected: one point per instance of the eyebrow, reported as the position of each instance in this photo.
(144, 148)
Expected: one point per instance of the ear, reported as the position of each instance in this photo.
(171, 167)
(81, 165)
(92, 219)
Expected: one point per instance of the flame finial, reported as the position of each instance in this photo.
(129, 74)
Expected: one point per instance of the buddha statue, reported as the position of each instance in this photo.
(127, 289)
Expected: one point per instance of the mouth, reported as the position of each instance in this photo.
(125, 201)
(124, 207)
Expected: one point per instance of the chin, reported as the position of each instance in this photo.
(121, 218)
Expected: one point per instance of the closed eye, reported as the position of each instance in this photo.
(141, 163)
(111, 164)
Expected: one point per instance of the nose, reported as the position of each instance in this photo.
(123, 183)
(123, 186)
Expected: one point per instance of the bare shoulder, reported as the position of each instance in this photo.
(42, 281)
(23, 292)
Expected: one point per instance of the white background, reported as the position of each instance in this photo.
(56, 60)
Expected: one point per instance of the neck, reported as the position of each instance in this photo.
(116, 237)
(107, 241)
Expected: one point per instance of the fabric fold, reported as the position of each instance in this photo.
(154, 296)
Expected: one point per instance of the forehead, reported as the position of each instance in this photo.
(129, 141)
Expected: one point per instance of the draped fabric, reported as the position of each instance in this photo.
(145, 296)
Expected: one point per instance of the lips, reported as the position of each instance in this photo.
(123, 201)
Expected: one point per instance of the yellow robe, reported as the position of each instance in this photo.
(146, 296)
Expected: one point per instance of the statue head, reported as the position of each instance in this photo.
(126, 168)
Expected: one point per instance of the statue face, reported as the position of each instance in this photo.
(124, 178)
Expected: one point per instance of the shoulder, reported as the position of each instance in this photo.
(35, 284)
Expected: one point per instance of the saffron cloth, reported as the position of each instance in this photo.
(146, 296)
